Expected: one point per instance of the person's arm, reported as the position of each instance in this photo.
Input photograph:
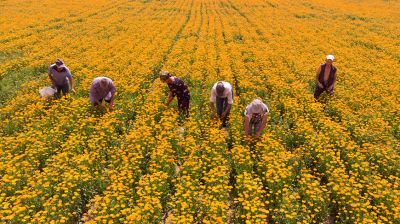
(71, 81)
(331, 87)
(228, 107)
(169, 99)
(316, 78)
(113, 89)
(212, 101)
(92, 96)
(212, 108)
(263, 124)
(96, 103)
(247, 118)
(111, 102)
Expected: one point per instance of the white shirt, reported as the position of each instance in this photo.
(227, 93)
(252, 109)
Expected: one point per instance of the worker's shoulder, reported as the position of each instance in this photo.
(52, 66)
(226, 84)
(100, 78)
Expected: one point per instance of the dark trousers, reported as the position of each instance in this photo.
(254, 126)
(63, 88)
(221, 104)
(318, 91)
(101, 100)
(183, 104)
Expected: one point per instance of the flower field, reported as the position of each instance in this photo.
(332, 161)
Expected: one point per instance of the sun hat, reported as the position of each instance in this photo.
(104, 82)
(59, 63)
(164, 75)
(330, 57)
(257, 106)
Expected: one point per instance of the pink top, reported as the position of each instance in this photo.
(59, 78)
(97, 93)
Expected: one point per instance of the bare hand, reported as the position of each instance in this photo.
(111, 105)
(168, 101)
(223, 115)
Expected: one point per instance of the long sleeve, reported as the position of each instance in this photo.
(69, 75)
(112, 88)
(92, 93)
(213, 96)
(230, 97)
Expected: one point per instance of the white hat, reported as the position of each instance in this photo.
(330, 57)
(256, 106)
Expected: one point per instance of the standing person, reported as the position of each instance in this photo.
(326, 77)
(102, 88)
(222, 96)
(178, 88)
(255, 118)
(61, 78)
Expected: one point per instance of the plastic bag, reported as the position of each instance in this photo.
(47, 92)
